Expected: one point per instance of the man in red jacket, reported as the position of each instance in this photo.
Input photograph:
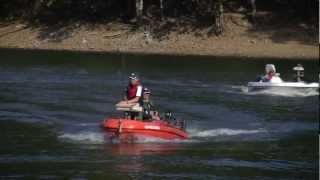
(133, 95)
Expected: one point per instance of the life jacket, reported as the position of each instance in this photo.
(132, 90)
(269, 76)
(272, 78)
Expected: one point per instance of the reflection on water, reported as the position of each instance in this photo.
(135, 155)
(133, 166)
(140, 149)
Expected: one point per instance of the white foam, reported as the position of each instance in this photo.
(100, 138)
(84, 137)
(224, 132)
(146, 139)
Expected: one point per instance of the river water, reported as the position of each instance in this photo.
(52, 104)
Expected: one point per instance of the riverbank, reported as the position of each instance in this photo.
(240, 38)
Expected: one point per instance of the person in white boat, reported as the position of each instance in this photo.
(271, 75)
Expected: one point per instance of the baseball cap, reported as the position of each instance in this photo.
(133, 76)
(146, 91)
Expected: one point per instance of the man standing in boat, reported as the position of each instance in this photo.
(132, 96)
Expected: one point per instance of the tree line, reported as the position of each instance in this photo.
(100, 10)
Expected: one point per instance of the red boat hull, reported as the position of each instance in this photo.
(130, 129)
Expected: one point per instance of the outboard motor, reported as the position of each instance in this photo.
(168, 116)
(299, 72)
(173, 121)
(182, 124)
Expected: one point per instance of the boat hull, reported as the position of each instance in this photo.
(254, 86)
(129, 130)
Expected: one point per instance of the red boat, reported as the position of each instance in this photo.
(126, 129)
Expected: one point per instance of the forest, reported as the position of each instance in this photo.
(142, 12)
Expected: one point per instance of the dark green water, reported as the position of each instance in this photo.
(52, 103)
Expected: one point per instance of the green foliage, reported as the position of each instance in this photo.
(91, 10)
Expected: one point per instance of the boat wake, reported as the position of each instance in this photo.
(84, 137)
(101, 138)
(223, 132)
(158, 140)
(195, 136)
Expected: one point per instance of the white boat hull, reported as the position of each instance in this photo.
(252, 86)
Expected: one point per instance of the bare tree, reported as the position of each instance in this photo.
(218, 15)
(36, 7)
(161, 8)
(139, 9)
(253, 8)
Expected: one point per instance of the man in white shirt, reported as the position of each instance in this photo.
(133, 95)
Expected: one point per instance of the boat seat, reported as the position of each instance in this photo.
(135, 108)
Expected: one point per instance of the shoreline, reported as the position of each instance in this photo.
(118, 38)
(213, 56)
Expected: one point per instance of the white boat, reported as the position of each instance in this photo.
(277, 83)
(252, 86)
